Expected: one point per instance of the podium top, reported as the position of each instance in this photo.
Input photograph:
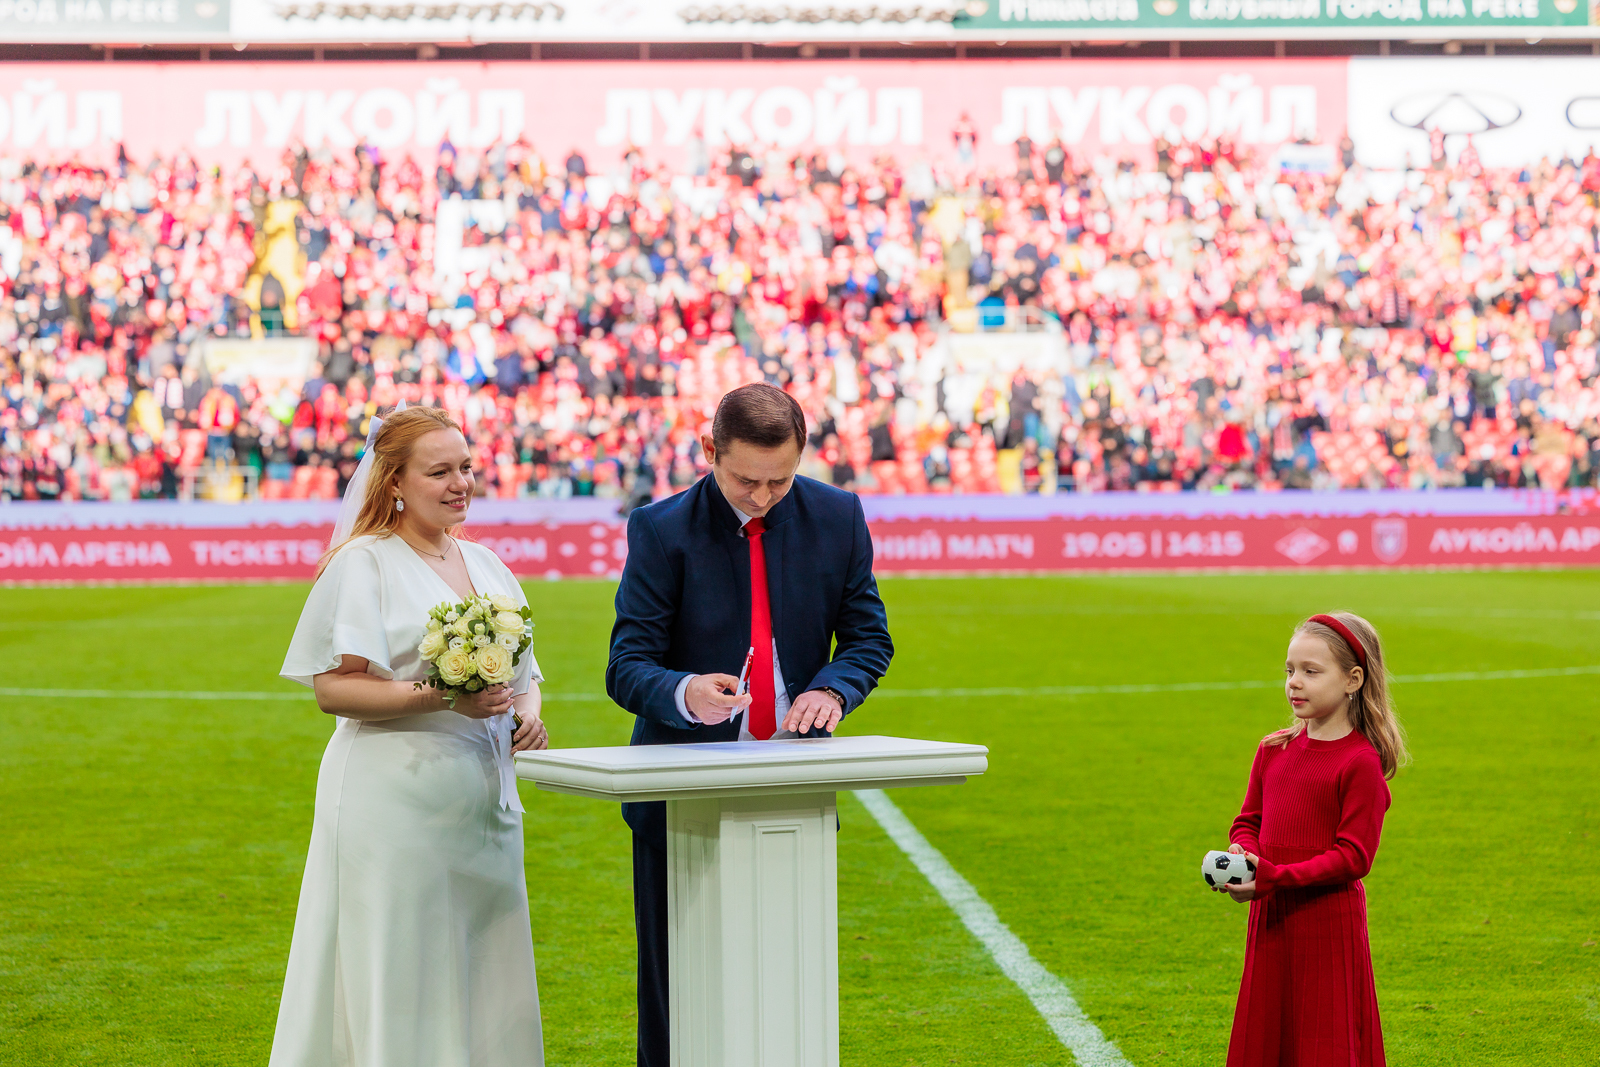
(750, 768)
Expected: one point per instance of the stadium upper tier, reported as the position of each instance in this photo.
(1064, 324)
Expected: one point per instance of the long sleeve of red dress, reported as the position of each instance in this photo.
(1313, 813)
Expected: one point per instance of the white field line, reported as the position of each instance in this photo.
(149, 694)
(890, 694)
(1198, 687)
(118, 622)
(1049, 995)
(1578, 615)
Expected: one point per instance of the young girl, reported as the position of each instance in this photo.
(1310, 823)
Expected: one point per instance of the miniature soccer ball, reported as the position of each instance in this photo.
(1226, 868)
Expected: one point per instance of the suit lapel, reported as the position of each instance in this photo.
(738, 551)
(735, 550)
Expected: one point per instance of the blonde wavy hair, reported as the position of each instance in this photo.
(391, 451)
(1371, 709)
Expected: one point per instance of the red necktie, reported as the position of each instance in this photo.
(763, 701)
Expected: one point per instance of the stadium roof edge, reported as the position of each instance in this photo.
(1209, 46)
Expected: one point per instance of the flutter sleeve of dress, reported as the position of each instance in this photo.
(1363, 800)
(343, 616)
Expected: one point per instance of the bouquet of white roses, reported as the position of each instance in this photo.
(475, 644)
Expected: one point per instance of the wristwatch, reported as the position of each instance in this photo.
(835, 694)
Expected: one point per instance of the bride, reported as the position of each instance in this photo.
(412, 945)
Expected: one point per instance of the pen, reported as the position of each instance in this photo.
(740, 687)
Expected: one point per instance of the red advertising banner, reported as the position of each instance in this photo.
(1287, 542)
(598, 549)
(265, 553)
(231, 112)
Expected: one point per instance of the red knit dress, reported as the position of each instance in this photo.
(1313, 814)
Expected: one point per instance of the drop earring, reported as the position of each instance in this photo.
(399, 505)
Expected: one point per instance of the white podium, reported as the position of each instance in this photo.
(752, 888)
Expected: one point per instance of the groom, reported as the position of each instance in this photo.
(750, 557)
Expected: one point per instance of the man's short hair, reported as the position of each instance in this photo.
(758, 414)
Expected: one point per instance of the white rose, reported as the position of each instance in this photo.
(458, 642)
(507, 622)
(494, 664)
(501, 602)
(462, 627)
(480, 641)
(451, 615)
(455, 666)
(509, 642)
(432, 645)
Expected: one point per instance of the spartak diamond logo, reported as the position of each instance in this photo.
(1389, 539)
(1302, 545)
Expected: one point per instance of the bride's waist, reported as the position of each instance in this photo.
(434, 722)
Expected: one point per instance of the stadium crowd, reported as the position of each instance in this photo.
(1215, 323)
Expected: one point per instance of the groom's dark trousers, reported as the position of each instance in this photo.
(683, 608)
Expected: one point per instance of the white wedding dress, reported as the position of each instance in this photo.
(412, 945)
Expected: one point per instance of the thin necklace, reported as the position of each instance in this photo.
(425, 552)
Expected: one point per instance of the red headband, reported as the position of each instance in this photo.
(1344, 631)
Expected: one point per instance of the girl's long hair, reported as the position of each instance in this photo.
(1371, 710)
(391, 451)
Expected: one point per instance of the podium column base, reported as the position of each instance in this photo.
(753, 931)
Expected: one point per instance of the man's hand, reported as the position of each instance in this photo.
(708, 700)
(812, 708)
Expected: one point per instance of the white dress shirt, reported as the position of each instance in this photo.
(780, 707)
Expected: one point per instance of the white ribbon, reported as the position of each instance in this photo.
(500, 731)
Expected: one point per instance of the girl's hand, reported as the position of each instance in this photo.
(531, 734)
(485, 703)
(1245, 893)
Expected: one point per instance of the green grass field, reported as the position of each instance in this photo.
(152, 849)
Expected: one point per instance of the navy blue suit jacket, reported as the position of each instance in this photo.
(683, 608)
